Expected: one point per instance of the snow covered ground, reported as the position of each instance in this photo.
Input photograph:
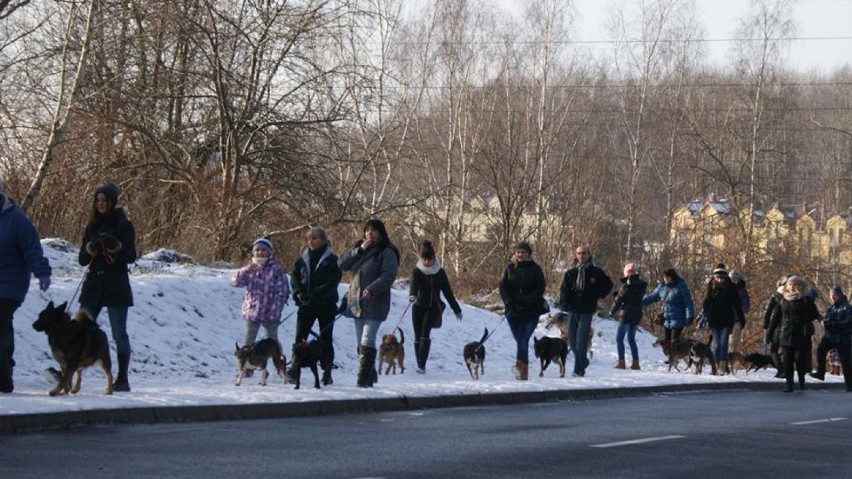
(186, 321)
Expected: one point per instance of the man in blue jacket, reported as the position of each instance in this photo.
(20, 256)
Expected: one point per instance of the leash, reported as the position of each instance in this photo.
(285, 318)
(492, 332)
(402, 316)
(317, 335)
(83, 279)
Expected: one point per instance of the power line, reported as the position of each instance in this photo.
(630, 40)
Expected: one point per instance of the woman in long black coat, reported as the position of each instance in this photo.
(793, 320)
(108, 247)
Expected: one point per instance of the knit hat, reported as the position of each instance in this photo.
(523, 245)
(630, 269)
(720, 270)
(736, 277)
(262, 243)
(793, 279)
(110, 191)
(427, 251)
(837, 291)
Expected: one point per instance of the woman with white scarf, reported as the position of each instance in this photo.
(428, 281)
(793, 320)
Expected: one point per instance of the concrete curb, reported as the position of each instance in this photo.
(22, 423)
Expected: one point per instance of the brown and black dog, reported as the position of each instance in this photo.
(256, 356)
(75, 344)
(549, 349)
(307, 354)
(392, 352)
(675, 350)
(474, 356)
(699, 355)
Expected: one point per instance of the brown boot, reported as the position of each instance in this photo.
(620, 364)
(635, 365)
(521, 370)
(525, 371)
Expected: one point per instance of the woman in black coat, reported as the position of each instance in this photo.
(793, 320)
(522, 291)
(108, 247)
(627, 308)
(428, 281)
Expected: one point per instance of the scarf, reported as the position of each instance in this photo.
(793, 295)
(436, 266)
(580, 285)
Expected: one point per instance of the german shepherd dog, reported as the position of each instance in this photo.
(549, 349)
(757, 361)
(255, 356)
(392, 352)
(675, 350)
(474, 356)
(307, 354)
(75, 344)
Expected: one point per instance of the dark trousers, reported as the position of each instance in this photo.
(325, 315)
(845, 350)
(421, 323)
(7, 342)
(796, 357)
(672, 334)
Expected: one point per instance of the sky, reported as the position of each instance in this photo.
(186, 321)
(812, 50)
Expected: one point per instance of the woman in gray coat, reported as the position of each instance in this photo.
(372, 263)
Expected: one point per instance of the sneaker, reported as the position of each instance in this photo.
(420, 370)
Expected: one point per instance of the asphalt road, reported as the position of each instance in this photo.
(695, 435)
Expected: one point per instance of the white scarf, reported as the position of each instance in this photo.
(436, 266)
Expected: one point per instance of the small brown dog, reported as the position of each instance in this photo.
(392, 352)
(675, 350)
(736, 361)
(474, 356)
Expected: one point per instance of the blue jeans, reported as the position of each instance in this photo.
(117, 323)
(522, 330)
(578, 335)
(252, 327)
(720, 342)
(630, 331)
(366, 331)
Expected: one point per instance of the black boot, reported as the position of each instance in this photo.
(417, 355)
(779, 366)
(423, 353)
(121, 383)
(366, 366)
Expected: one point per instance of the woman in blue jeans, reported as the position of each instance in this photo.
(522, 291)
(627, 309)
(722, 308)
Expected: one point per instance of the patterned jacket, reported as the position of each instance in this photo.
(267, 290)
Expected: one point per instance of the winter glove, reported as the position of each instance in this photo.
(95, 247)
(459, 316)
(44, 283)
(111, 243)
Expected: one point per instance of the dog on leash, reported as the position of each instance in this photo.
(392, 352)
(549, 349)
(736, 361)
(699, 355)
(675, 350)
(474, 356)
(307, 354)
(256, 356)
(560, 320)
(75, 344)
(757, 361)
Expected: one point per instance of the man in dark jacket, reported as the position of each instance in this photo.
(314, 282)
(838, 334)
(21, 256)
(582, 287)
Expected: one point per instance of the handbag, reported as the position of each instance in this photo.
(436, 315)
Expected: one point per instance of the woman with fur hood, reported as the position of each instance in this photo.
(108, 248)
(792, 319)
(428, 281)
(627, 308)
(372, 263)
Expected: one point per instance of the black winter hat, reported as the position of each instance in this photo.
(523, 245)
(110, 191)
(837, 291)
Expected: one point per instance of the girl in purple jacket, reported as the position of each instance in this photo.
(267, 290)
